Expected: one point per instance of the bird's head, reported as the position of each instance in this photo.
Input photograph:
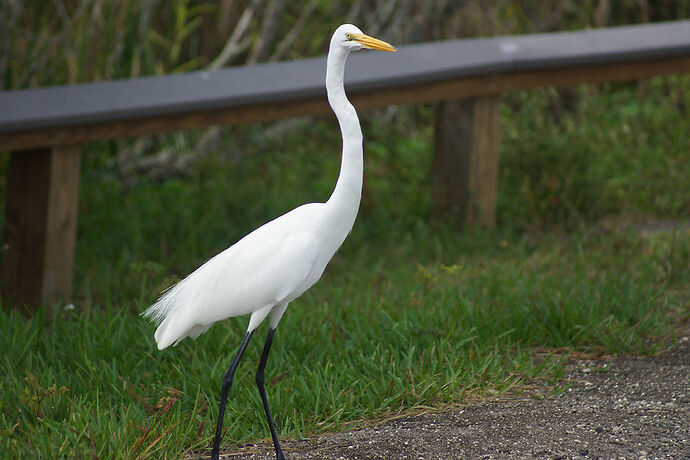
(352, 39)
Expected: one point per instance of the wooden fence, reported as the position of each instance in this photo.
(44, 128)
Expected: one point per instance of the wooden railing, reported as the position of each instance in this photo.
(44, 128)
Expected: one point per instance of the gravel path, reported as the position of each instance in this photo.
(629, 407)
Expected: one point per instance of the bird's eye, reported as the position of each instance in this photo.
(348, 36)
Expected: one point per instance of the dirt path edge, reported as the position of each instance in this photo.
(627, 407)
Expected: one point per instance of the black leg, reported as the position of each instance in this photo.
(262, 390)
(227, 382)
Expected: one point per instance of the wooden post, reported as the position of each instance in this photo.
(465, 169)
(40, 227)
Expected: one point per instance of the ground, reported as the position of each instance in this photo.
(628, 407)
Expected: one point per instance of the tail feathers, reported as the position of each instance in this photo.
(164, 334)
(174, 328)
(162, 309)
(168, 315)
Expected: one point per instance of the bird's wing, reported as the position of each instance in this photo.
(268, 266)
(275, 270)
(262, 269)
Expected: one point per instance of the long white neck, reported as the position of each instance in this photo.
(344, 202)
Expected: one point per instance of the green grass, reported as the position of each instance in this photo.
(376, 335)
(408, 314)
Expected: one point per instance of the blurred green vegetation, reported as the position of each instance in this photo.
(410, 312)
(620, 150)
(70, 41)
(620, 156)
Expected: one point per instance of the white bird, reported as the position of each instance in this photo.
(276, 263)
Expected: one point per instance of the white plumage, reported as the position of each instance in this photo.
(276, 263)
(268, 268)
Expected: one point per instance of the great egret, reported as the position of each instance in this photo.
(276, 263)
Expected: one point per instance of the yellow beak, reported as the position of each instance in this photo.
(372, 43)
